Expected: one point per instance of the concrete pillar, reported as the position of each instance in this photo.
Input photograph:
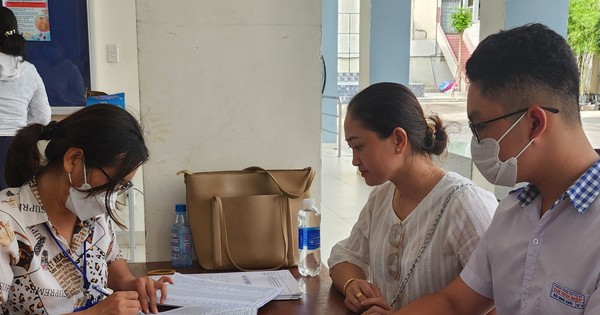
(365, 44)
(389, 55)
(329, 51)
(595, 86)
(501, 15)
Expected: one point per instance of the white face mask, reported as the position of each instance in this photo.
(85, 206)
(485, 156)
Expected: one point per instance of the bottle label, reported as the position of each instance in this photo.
(185, 242)
(174, 246)
(309, 238)
(181, 244)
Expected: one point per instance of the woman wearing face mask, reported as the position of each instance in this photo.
(58, 244)
(421, 223)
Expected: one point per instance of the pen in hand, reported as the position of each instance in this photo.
(107, 292)
(104, 291)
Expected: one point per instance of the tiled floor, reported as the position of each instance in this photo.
(140, 251)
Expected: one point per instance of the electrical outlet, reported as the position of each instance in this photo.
(113, 53)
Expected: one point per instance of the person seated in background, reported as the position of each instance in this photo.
(421, 223)
(62, 77)
(540, 254)
(58, 247)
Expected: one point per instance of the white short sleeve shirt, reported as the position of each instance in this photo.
(548, 265)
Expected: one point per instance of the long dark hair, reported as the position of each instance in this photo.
(108, 135)
(11, 41)
(382, 107)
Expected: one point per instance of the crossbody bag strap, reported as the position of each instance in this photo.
(426, 242)
(285, 192)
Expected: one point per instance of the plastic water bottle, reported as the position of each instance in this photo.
(181, 239)
(309, 239)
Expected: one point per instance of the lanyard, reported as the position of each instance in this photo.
(86, 283)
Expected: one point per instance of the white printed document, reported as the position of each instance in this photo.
(273, 279)
(207, 310)
(212, 297)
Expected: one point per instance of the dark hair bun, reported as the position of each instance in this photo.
(436, 138)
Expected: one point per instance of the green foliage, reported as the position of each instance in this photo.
(583, 31)
(461, 19)
(583, 35)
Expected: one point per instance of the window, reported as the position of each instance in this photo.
(64, 61)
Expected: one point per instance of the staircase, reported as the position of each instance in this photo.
(454, 40)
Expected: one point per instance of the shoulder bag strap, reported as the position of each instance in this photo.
(311, 175)
(426, 242)
(225, 241)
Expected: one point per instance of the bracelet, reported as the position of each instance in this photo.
(347, 283)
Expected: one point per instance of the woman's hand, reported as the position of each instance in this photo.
(121, 302)
(377, 306)
(146, 289)
(358, 291)
(121, 279)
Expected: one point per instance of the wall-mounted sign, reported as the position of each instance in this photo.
(33, 18)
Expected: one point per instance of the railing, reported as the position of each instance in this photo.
(130, 231)
(339, 117)
(446, 50)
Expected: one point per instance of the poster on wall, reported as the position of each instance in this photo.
(32, 17)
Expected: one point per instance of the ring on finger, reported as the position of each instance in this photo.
(358, 295)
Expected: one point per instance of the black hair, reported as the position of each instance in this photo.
(382, 107)
(526, 65)
(108, 135)
(11, 41)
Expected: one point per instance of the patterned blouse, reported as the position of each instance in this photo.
(36, 275)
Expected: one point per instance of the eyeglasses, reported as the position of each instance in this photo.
(122, 187)
(396, 239)
(478, 126)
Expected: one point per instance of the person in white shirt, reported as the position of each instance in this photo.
(23, 98)
(421, 223)
(540, 255)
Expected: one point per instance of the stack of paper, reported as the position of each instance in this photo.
(206, 310)
(212, 297)
(272, 279)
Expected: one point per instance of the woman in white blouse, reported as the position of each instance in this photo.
(23, 98)
(420, 223)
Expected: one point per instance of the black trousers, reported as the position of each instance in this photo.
(4, 145)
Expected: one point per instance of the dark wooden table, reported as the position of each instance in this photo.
(319, 296)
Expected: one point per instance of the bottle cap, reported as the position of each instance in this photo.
(180, 207)
(309, 203)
